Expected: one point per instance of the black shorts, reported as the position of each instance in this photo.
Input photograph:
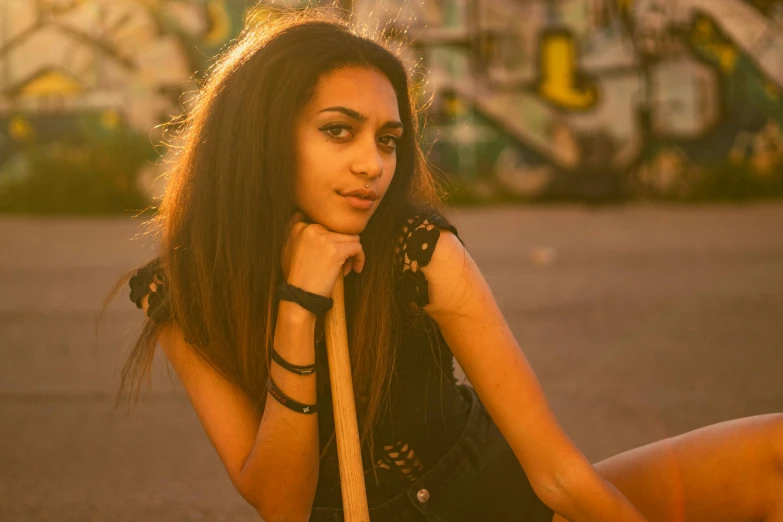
(478, 479)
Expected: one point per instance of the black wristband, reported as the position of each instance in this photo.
(315, 303)
(287, 401)
(294, 368)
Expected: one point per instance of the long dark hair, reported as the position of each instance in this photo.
(229, 195)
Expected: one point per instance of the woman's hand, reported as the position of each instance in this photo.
(313, 255)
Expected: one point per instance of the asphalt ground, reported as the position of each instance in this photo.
(641, 322)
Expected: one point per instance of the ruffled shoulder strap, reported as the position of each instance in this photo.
(414, 249)
(150, 280)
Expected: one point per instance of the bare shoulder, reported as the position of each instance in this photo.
(450, 273)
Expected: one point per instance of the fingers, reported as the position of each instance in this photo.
(358, 261)
(286, 250)
(355, 258)
(348, 245)
(298, 216)
(293, 221)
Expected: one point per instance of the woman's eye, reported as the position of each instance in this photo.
(393, 141)
(335, 131)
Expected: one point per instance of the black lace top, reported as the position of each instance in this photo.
(427, 410)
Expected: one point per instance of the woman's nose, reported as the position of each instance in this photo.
(369, 161)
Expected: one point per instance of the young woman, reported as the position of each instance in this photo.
(301, 161)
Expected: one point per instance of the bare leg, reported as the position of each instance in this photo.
(727, 472)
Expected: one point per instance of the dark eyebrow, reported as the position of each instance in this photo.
(361, 118)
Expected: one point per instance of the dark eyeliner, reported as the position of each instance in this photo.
(395, 140)
(332, 126)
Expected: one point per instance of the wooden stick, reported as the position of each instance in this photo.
(346, 428)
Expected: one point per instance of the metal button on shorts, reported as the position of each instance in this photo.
(423, 495)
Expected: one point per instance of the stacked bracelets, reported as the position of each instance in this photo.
(318, 305)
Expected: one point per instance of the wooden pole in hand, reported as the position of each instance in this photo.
(346, 428)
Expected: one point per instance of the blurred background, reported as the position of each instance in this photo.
(530, 99)
(615, 168)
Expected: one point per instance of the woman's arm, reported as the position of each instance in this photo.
(462, 304)
(272, 459)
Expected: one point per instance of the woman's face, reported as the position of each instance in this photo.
(345, 138)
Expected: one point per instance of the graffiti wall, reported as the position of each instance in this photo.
(585, 98)
(604, 96)
(71, 70)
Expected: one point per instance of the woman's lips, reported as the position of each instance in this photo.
(358, 203)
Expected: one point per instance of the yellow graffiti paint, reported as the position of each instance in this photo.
(706, 36)
(20, 130)
(703, 30)
(220, 23)
(559, 73)
(49, 83)
(727, 57)
(772, 91)
(454, 106)
(110, 119)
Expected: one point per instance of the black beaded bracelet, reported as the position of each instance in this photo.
(315, 303)
(287, 401)
(294, 368)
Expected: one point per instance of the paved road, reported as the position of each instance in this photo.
(641, 323)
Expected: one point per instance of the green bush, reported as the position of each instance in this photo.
(94, 172)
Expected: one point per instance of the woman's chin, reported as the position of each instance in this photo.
(356, 226)
(345, 223)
